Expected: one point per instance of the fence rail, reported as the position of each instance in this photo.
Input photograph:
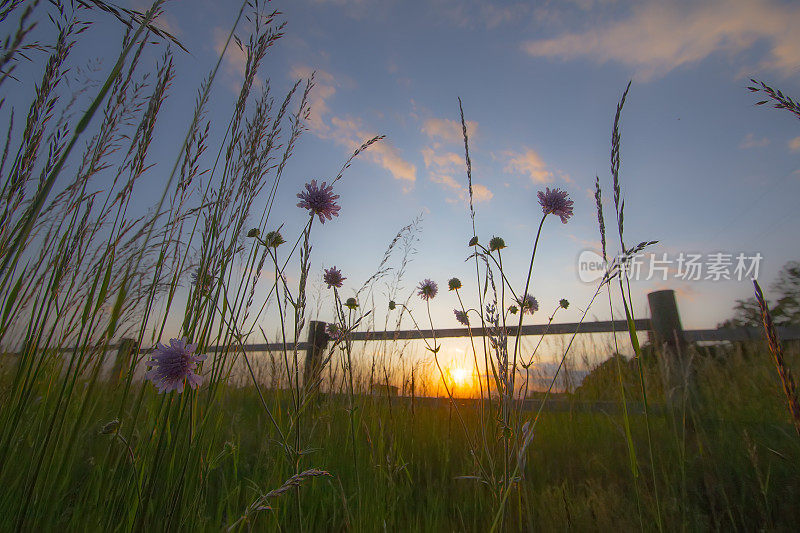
(603, 326)
(664, 326)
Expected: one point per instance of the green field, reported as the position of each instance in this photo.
(725, 454)
(185, 437)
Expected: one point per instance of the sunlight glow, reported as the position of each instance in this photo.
(461, 376)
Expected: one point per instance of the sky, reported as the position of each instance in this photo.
(704, 171)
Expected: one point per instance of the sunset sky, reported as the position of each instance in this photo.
(703, 169)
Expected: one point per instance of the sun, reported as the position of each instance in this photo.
(460, 376)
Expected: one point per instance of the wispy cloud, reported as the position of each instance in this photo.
(585, 243)
(657, 37)
(391, 159)
(164, 21)
(441, 160)
(480, 193)
(349, 131)
(356, 9)
(794, 144)
(529, 163)
(235, 58)
(442, 165)
(685, 290)
(324, 89)
(449, 183)
(448, 130)
(489, 15)
(750, 141)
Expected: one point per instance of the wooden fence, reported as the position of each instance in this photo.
(664, 326)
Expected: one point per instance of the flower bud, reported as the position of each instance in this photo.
(496, 243)
(111, 427)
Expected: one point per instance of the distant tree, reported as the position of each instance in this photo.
(745, 313)
(786, 309)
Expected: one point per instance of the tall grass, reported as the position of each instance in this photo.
(274, 441)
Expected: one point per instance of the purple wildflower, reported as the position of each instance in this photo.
(333, 277)
(556, 202)
(202, 281)
(461, 316)
(428, 290)
(335, 333)
(528, 304)
(320, 200)
(171, 366)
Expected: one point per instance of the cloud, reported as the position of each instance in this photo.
(495, 16)
(480, 13)
(442, 166)
(324, 89)
(235, 58)
(348, 131)
(794, 144)
(565, 176)
(446, 160)
(657, 37)
(448, 130)
(686, 291)
(448, 181)
(165, 21)
(321, 77)
(389, 158)
(529, 163)
(593, 245)
(750, 141)
(355, 9)
(480, 193)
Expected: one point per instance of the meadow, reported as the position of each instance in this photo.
(176, 437)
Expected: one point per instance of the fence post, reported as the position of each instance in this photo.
(667, 328)
(668, 336)
(122, 362)
(317, 342)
